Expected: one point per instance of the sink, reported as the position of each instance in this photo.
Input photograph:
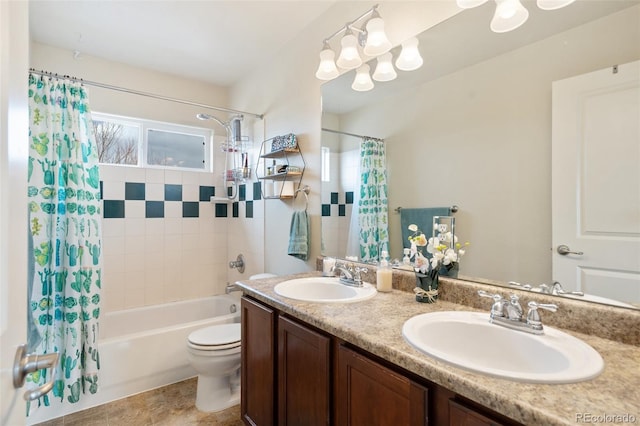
(324, 290)
(468, 340)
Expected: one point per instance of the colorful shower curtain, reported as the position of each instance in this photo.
(64, 219)
(372, 207)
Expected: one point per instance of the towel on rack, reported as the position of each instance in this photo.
(423, 217)
(299, 235)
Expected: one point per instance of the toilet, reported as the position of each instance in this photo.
(214, 352)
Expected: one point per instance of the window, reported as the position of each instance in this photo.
(145, 143)
(118, 141)
(326, 164)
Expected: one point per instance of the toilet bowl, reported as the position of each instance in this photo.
(214, 352)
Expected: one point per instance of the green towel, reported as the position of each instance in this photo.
(299, 235)
(423, 217)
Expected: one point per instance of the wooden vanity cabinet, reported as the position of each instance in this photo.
(289, 370)
(368, 393)
(461, 414)
(257, 402)
(304, 372)
(299, 393)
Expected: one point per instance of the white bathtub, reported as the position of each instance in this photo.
(145, 348)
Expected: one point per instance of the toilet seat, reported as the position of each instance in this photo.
(216, 337)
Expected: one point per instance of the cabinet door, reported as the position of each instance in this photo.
(370, 394)
(258, 363)
(460, 415)
(303, 375)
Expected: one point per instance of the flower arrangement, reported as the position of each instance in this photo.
(445, 250)
(445, 254)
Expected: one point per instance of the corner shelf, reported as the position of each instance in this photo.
(290, 157)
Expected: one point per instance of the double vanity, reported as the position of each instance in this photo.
(318, 352)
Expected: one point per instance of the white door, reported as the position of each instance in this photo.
(14, 48)
(596, 182)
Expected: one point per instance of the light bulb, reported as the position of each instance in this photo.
(363, 81)
(468, 4)
(409, 58)
(377, 41)
(384, 69)
(349, 57)
(553, 4)
(509, 15)
(327, 69)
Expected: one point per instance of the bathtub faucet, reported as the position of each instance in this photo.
(231, 287)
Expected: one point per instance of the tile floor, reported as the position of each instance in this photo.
(172, 405)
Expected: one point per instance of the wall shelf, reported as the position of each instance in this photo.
(274, 183)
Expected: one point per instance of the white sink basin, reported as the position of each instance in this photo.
(323, 289)
(468, 340)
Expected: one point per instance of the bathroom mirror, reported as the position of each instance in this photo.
(472, 128)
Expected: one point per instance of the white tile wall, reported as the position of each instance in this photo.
(160, 260)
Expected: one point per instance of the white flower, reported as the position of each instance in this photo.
(461, 252)
(450, 256)
(432, 245)
(413, 227)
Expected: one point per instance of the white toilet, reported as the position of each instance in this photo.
(214, 352)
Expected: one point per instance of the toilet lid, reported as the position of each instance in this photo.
(222, 335)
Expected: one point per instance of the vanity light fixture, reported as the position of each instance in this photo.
(511, 14)
(384, 69)
(409, 58)
(377, 41)
(369, 38)
(362, 82)
(327, 69)
(553, 4)
(349, 56)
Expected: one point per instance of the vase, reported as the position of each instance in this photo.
(450, 270)
(427, 286)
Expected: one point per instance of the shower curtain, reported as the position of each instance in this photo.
(372, 207)
(64, 227)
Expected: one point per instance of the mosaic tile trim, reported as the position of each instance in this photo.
(174, 193)
(341, 210)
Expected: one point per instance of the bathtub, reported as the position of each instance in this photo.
(145, 348)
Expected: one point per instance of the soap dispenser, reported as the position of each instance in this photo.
(384, 274)
(406, 260)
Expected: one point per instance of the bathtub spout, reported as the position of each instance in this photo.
(231, 287)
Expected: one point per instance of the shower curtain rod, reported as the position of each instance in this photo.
(147, 94)
(350, 134)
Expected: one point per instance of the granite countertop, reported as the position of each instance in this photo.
(375, 325)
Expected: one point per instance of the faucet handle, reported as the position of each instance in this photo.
(514, 309)
(533, 317)
(497, 309)
(517, 284)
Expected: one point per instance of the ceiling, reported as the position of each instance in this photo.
(463, 40)
(217, 41)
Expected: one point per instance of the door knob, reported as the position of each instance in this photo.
(25, 363)
(565, 250)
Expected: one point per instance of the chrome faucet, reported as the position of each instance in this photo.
(509, 313)
(350, 274)
(556, 289)
(232, 287)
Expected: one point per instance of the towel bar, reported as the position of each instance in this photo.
(454, 209)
